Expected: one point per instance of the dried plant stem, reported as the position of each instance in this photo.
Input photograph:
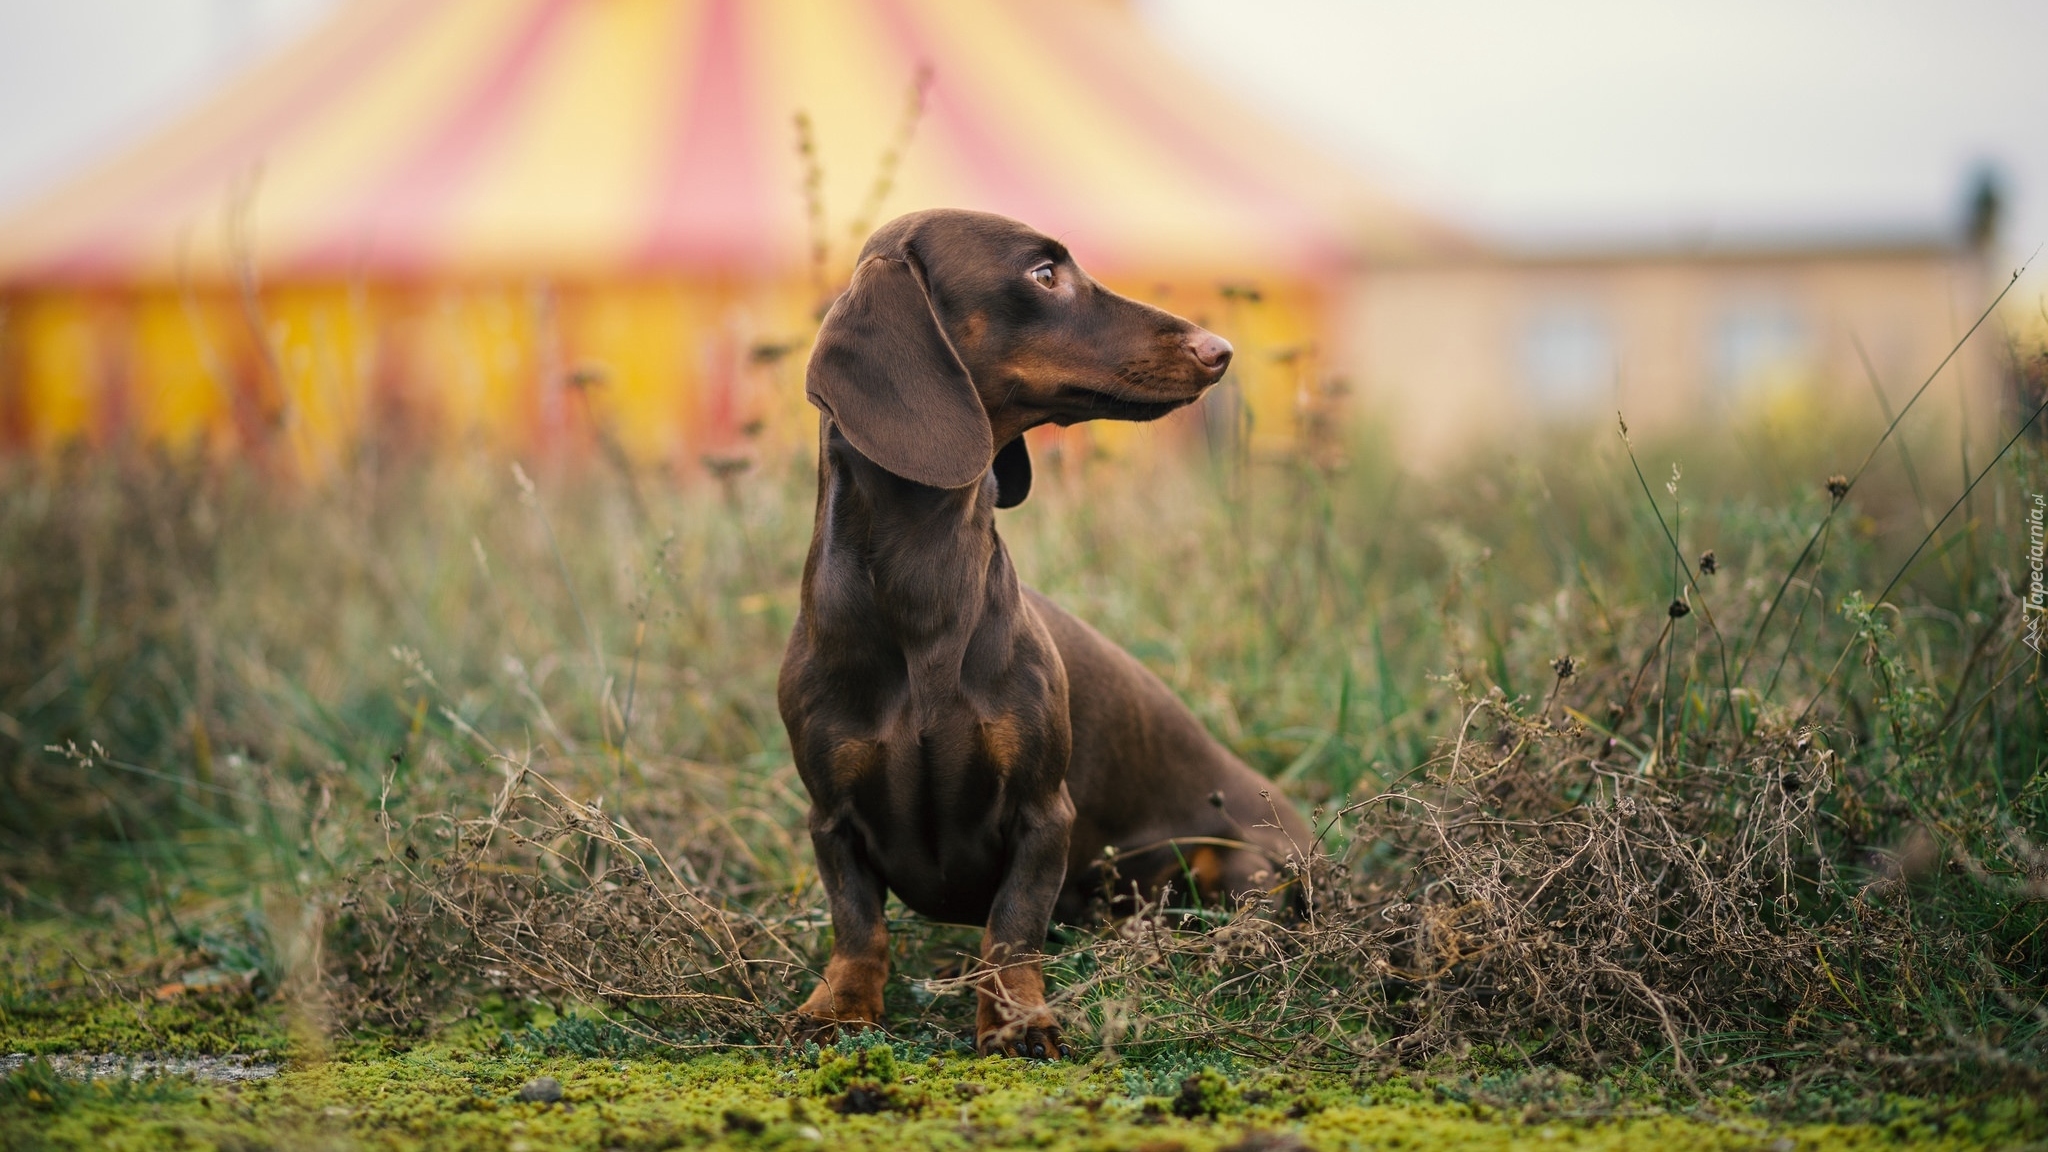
(1918, 548)
(1771, 611)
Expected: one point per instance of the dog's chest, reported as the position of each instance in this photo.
(949, 774)
(934, 811)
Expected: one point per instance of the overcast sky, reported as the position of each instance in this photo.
(1600, 119)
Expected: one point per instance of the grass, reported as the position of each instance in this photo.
(448, 775)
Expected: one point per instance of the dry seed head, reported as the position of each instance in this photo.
(1709, 565)
(1679, 609)
(765, 352)
(587, 376)
(1564, 666)
(726, 467)
(1838, 487)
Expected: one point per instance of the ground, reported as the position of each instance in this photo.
(475, 1085)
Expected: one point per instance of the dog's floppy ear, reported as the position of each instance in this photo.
(1013, 473)
(885, 373)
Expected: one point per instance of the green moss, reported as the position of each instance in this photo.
(71, 987)
(465, 1095)
(194, 1025)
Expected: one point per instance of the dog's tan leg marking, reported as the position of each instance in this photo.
(1011, 1016)
(851, 992)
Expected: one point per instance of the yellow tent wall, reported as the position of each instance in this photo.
(667, 370)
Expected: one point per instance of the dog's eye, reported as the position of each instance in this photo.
(1043, 274)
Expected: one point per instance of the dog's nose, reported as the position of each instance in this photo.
(1210, 351)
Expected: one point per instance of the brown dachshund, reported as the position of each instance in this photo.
(967, 744)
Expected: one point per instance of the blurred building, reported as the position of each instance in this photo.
(576, 225)
(1480, 343)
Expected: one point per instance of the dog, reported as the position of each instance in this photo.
(967, 744)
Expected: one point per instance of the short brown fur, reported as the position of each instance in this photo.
(967, 744)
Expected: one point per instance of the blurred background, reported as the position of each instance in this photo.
(228, 225)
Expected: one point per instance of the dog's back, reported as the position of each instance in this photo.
(1149, 781)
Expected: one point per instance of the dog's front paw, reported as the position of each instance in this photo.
(1040, 1041)
(825, 1014)
(805, 1028)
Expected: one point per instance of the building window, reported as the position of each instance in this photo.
(1759, 343)
(1568, 356)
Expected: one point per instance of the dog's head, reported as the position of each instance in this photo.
(962, 329)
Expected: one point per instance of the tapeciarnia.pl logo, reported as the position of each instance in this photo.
(2037, 586)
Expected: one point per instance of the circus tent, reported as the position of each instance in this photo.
(528, 220)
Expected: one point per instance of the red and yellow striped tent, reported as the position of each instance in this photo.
(525, 220)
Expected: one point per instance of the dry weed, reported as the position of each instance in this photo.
(1542, 889)
(547, 895)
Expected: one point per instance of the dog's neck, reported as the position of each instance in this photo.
(915, 569)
